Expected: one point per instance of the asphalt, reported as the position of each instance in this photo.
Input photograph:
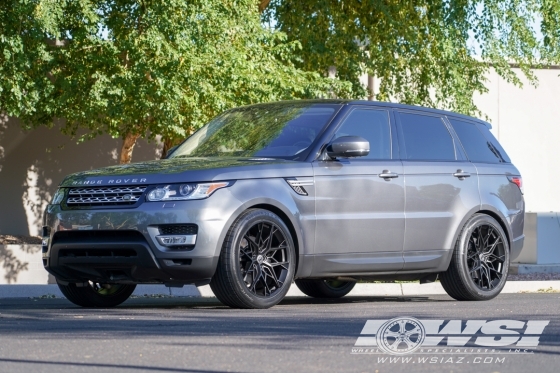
(361, 289)
(301, 334)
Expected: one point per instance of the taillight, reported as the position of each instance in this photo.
(517, 180)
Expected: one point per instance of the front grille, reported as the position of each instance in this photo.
(182, 229)
(104, 196)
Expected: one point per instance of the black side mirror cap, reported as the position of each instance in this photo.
(347, 147)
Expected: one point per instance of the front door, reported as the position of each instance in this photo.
(360, 202)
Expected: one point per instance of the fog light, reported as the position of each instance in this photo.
(45, 240)
(176, 240)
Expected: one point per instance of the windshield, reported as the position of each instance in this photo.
(272, 131)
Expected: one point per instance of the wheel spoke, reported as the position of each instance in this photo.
(260, 230)
(257, 274)
(416, 330)
(409, 343)
(492, 247)
(390, 333)
(276, 264)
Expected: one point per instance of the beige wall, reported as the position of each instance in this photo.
(33, 163)
(527, 123)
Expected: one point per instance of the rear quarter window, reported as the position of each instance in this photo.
(479, 147)
(486, 132)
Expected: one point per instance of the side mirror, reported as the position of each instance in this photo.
(171, 150)
(348, 146)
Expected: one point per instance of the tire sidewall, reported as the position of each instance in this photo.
(336, 292)
(245, 223)
(471, 225)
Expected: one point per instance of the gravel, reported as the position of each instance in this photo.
(535, 277)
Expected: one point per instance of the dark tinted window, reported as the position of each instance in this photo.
(494, 142)
(372, 125)
(477, 146)
(426, 138)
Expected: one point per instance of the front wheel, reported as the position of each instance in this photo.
(480, 263)
(325, 288)
(257, 262)
(94, 294)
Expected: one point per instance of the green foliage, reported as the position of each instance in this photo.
(144, 67)
(435, 53)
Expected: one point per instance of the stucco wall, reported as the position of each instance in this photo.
(33, 163)
(527, 123)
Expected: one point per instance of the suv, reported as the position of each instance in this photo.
(326, 193)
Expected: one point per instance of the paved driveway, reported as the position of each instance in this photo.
(299, 335)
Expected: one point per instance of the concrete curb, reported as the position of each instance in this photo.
(392, 289)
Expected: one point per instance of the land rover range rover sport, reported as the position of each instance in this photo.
(324, 193)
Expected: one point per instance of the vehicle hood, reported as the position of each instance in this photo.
(180, 170)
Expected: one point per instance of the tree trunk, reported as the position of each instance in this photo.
(263, 4)
(127, 147)
(167, 144)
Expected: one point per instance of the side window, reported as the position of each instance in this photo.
(372, 125)
(477, 146)
(426, 138)
(495, 144)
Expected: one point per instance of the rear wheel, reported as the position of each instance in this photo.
(325, 288)
(94, 294)
(257, 262)
(480, 263)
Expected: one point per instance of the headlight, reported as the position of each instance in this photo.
(182, 192)
(58, 196)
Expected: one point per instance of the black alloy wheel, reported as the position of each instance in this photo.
(257, 262)
(480, 262)
(486, 257)
(263, 258)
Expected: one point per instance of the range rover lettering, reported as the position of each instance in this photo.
(322, 193)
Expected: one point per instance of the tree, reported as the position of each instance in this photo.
(134, 68)
(434, 53)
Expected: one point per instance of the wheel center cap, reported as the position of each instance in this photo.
(260, 259)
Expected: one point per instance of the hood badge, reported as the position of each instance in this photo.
(111, 181)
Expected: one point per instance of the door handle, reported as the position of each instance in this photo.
(386, 174)
(461, 174)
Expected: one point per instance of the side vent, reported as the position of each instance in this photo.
(299, 184)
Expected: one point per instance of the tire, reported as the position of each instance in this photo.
(480, 262)
(325, 288)
(97, 295)
(255, 272)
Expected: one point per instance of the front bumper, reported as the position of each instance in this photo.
(120, 245)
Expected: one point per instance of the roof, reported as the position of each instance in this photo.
(385, 104)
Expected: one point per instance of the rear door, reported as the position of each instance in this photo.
(441, 188)
(497, 192)
(360, 201)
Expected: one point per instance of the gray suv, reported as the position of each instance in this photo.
(324, 193)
